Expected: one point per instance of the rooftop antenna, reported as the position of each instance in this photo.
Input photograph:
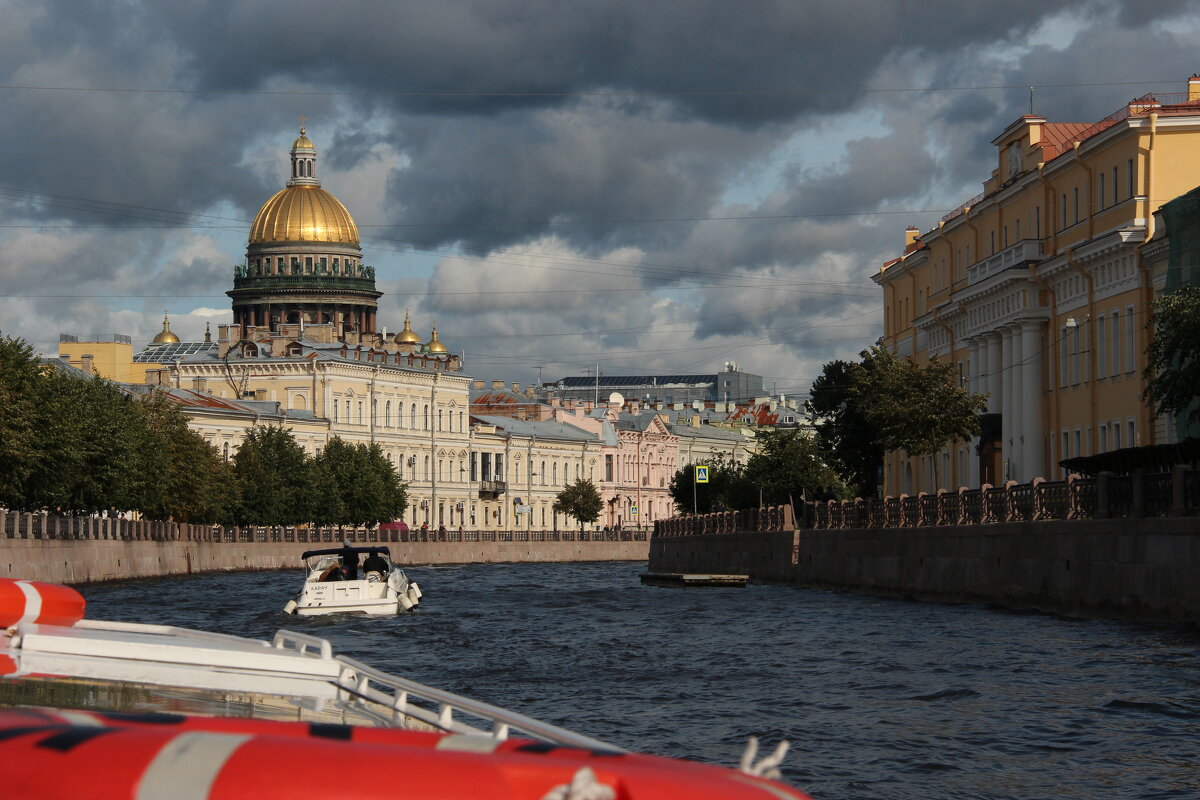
(1030, 101)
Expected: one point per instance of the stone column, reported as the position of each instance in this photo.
(978, 347)
(1003, 385)
(993, 359)
(1016, 427)
(1033, 461)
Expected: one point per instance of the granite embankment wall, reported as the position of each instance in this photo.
(84, 561)
(89, 549)
(1143, 569)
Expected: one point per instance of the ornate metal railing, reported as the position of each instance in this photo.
(1175, 493)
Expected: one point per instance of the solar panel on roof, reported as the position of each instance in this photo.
(169, 352)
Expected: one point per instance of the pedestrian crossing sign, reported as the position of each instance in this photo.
(701, 474)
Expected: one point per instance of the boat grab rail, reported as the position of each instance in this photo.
(302, 642)
(397, 693)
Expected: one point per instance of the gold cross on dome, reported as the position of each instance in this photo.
(302, 121)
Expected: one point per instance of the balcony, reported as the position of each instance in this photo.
(1018, 255)
(490, 490)
(304, 282)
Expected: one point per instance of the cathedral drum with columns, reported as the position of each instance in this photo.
(303, 260)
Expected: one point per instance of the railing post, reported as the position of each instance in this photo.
(1037, 502)
(1178, 502)
(1137, 485)
(1102, 504)
(1009, 502)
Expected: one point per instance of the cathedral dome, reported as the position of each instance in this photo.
(303, 213)
(165, 336)
(433, 345)
(408, 335)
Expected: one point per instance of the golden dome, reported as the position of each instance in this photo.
(165, 337)
(303, 141)
(433, 345)
(303, 214)
(408, 335)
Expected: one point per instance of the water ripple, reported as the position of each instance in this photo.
(880, 698)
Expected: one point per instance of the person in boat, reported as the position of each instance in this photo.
(375, 563)
(349, 559)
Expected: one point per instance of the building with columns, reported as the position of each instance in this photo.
(1038, 290)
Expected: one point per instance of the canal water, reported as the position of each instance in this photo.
(879, 698)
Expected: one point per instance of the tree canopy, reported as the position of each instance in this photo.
(1173, 357)
(84, 444)
(580, 500)
(885, 402)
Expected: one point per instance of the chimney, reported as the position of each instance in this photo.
(1194, 88)
(695, 420)
(87, 364)
(199, 385)
(497, 384)
(260, 394)
(516, 387)
(911, 234)
(477, 385)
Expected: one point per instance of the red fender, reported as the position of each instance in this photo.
(33, 601)
(68, 754)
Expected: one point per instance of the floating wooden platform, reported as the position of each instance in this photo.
(692, 579)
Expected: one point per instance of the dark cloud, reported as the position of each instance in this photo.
(607, 119)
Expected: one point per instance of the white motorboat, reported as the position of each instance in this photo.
(335, 584)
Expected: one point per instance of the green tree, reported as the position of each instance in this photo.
(391, 494)
(787, 467)
(273, 473)
(580, 500)
(848, 442)
(914, 408)
(197, 485)
(22, 386)
(1173, 358)
(705, 497)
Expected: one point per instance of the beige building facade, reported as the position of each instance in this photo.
(1038, 290)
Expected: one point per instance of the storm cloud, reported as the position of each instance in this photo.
(648, 186)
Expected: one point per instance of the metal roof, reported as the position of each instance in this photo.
(542, 429)
(615, 381)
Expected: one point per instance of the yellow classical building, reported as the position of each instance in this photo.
(1038, 290)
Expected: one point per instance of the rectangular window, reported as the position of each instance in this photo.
(485, 466)
(1114, 187)
(1065, 447)
(608, 468)
(308, 263)
(1131, 438)
(992, 242)
(1101, 349)
(474, 467)
(1037, 222)
(1115, 339)
(499, 467)
(1075, 191)
(1018, 230)
(1103, 437)
(1064, 212)
(1075, 357)
(1078, 442)
(1100, 189)
(1129, 177)
(1116, 429)
(1086, 351)
(1130, 333)
(1063, 359)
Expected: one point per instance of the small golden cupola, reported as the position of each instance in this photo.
(165, 336)
(433, 345)
(408, 335)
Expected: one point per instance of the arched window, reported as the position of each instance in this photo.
(226, 451)
(413, 424)
(439, 419)
(554, 467)
(425, 427)
(426, 467)
(387, 414)
(543, 472)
